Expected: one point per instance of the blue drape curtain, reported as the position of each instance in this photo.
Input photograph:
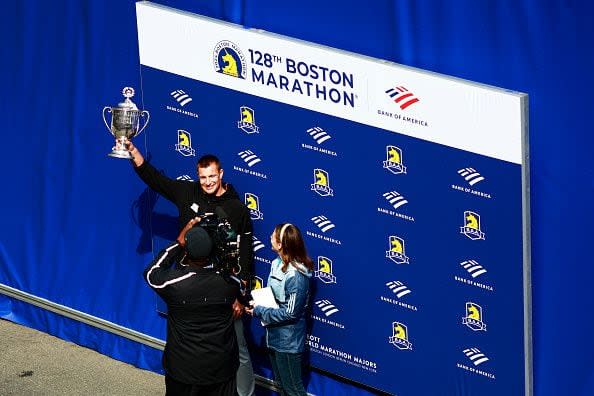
(73, 231)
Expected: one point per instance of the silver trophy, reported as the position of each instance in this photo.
(125, 123)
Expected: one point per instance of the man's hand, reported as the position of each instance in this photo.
(137, 157)
(181, 238)
(238, 309)
(250, 310)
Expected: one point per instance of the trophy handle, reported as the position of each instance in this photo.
(146, 114)
(105, 120)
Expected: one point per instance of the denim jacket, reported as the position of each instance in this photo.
(285, 331)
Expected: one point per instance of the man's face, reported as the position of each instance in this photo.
(211, 179)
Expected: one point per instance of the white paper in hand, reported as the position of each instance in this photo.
(265, 298)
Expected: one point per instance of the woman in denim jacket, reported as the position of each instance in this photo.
(289, 280)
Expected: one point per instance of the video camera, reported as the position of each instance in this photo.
(225, 251)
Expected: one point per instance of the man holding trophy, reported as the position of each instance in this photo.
(192, 199)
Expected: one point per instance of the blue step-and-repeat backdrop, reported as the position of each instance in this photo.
(408, 187)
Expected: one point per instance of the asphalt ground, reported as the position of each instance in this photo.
(36, 363)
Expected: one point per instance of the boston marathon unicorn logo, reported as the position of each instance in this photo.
(247, 120)
(324, 272)
(474, 317)
(257, 283)
(184, 143)
(321, 184)
(399, 336)
(229, 60)
(472, 226)
(230, 64)
(397, 253)
(253, 204)
(393, 161)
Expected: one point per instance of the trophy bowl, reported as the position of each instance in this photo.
(125, 123)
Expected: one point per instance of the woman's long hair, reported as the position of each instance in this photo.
(292, 246)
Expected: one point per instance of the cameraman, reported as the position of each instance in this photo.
(201, 355)
(192, 198)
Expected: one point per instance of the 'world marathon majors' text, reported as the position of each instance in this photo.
(328, 84)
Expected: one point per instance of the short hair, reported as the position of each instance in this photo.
(206, 160)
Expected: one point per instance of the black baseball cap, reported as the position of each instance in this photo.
(198, 243)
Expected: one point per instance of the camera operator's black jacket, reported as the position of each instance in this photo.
(184, 194)
(201, 345)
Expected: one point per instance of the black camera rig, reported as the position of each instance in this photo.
(225, 252)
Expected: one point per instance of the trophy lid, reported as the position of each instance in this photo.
(128, 92)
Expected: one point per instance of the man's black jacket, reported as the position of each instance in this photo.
(201, 344)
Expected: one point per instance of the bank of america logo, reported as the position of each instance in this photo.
(184, 177)
(402, 97)
(471, 175)
(475, 356)
(323, 223)
(318, 134)
(181, 97)
(256, 244)
(473, 268)
(395, 199)
(398, 288)
(249, 157)
(326, 307)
